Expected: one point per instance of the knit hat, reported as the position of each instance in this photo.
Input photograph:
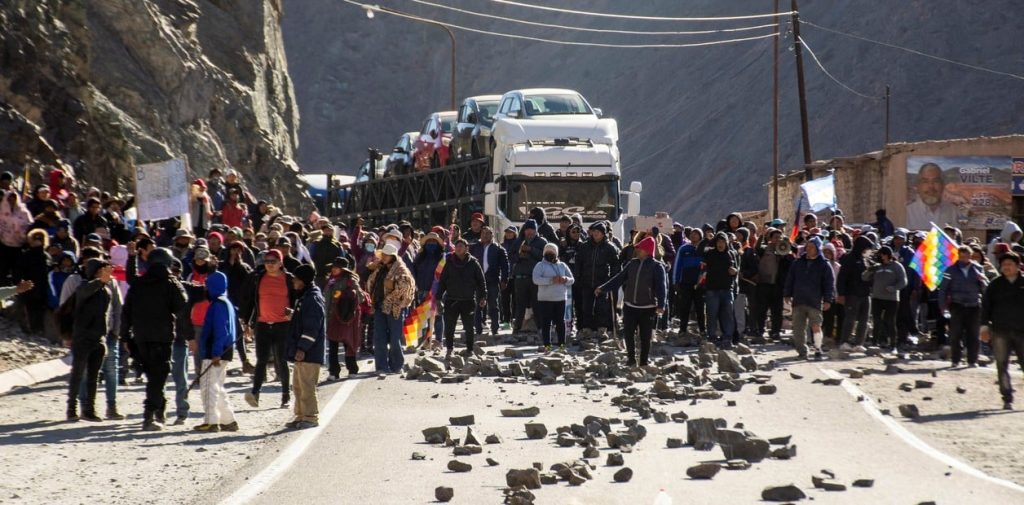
(647, 245)
(341, 262)
(816, 242)
(199, 182)
(93, 266)
(216, 235)
(530, 224)
(305, 273)
(551, 246)
(160, 256)
(273, 254)
(201, 253)
(599, 226)
(512, 229)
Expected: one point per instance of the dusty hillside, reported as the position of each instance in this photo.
(698, 118)
(99, 84)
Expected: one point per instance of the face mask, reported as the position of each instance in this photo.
(369, 247)
(551, 257)
(396, 243)
(261, 245)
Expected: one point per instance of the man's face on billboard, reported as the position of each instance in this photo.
(930, 185)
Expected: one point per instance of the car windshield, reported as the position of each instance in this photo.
(447, 124)
(594, 199)
(548, 105)
(487, 111)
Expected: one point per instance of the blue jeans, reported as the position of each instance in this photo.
(179, 372)
(720, 311)
(109, 371)
(388, 341)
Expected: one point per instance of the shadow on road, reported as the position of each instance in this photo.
(964, 416)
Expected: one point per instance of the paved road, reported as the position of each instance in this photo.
(363, 455)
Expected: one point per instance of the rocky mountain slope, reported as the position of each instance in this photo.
(695, 122)
(98, 85)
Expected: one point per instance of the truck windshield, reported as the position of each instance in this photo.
(487, 111)
(547, 105)
(594, 199)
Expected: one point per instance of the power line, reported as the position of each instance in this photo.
(830, 76)
(375, 8)
(644, 18)
(919, 53)
(592, 30)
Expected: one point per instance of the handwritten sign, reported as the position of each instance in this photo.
(161, 189)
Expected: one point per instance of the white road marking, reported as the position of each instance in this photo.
(911, 439)
(266, 478)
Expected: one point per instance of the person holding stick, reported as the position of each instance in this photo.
(214, 346)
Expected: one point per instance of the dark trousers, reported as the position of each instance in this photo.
(964, 326)
(855, 315)
(333, 363)
(156, 364)
(633, 319)
(490, 312)
(86, 361)
(595, 311)
(690, 304)
(8, 258)
(940, 322)
(1005, 343)
(270, 339)
(905, 321)
(551, 313)
(525, 297)
(240, 343)
(455, 310)
(883, 316)
(832, 324)
(506, 303)
(769, 300)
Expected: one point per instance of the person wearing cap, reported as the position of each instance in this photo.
(152, 304)
(720, 268)
(200, 207)
(345, 304)
(1003, 321)
(284, 246)
(476, 225)
(529, 249)
(305, 346)
(810, 290)
(644, 287)
(596, 262)
(463, 288)
(204, 264)
(554, 280)
(182, 244)
(493, 260)
(887, 278)
(268, 300)
(324, 251)
(391, 288)
(91, 319)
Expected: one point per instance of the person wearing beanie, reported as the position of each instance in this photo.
(213, 345)
(553, 279)
(810, 290)
(596, 261)
(91, 317)
(720, 269)
(346, 303)
(267, 307)
(544, 229)
(463, 288)
(476, 225)
(154, 300)
(643, 280)
(887, 278)
(527, 251)
(304, 346)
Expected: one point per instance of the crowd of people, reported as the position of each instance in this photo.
(241, 278)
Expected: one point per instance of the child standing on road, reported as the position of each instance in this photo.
(214, 347)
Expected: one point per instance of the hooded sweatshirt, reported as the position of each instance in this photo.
(14, 221)
(1005, 237)
(218, 336)
(810, 282)
(544, 228)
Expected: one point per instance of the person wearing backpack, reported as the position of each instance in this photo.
(346, 303)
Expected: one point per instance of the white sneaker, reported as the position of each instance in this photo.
(332, 378)
(859, 348)
(846, 347)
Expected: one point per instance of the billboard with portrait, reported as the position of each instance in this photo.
(969, 192)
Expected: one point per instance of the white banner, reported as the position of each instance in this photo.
(818, 194)
(660, 219)
(161, 189)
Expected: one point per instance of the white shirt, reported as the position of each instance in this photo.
(920, 216)
(486, 247)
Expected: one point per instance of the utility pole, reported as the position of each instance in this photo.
(887, 109)
(775, 116)
(798, 49)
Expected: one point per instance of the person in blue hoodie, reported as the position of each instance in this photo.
(686, 279)
(810, 289)
(305, 346)
(214, 346)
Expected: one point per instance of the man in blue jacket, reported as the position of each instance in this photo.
(686, 278)
(960, 293)
(810, 289)
(305, 347)
(214, 347)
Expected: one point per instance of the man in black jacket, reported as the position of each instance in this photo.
(854, 294)
(597, 260)
(494, 262)
(544, 228)
(153, 302)
(721, 265)
(92, 307)
(462, 287)
(1003, 321)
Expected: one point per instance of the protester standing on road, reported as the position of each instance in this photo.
(596, 262)
(810, 290)
(1003, 320)
(854, 294)
(153, 302)
(391, 289)
(721, 265)
(960, 293)
(305, 346)
(91, 316)
(887, 278)
(494, 261)
(345, 303)
(686, 277)
(324, 251)
(530, 250)
(644, 291)
(214, 347)
(463, 288)
(269, 306)
(553, 279)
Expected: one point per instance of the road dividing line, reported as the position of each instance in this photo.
(266, 478)
(911, 439)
